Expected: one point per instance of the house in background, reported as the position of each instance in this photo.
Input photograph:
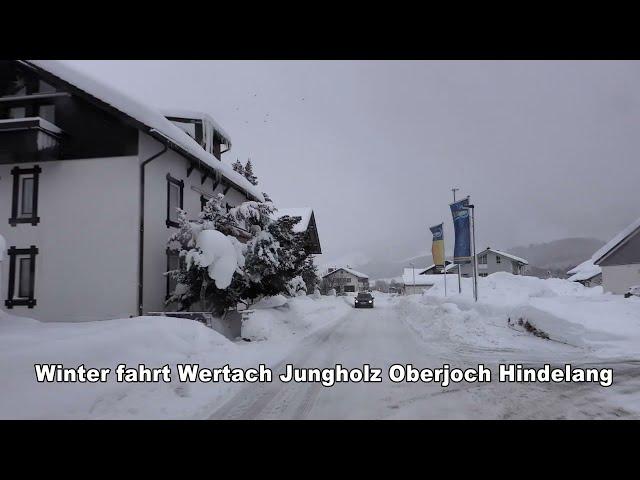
(344, 280)
(416, 281)
(90, 181)
(619, 260)
(306, 226)
(491, 261)
(586, 274)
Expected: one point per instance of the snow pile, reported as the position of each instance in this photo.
(300, 316)
(600, 324)
(152, 341)
(219, 254)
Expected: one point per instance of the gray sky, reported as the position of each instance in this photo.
(546, 150)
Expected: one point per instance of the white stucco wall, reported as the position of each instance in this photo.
(618, 278)
(156, 230)
(87, 239)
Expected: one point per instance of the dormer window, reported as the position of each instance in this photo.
(203, 129)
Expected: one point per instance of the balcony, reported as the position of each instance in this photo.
(28, 139)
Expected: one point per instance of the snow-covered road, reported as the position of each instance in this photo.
(381, 337)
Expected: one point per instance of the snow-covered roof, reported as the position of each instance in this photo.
(450, 265)
(585, 271)
(419, 280)
(349, 270)
(196, 115)
(615, 241)
(157, 124)
(505, 254)
(304, 213)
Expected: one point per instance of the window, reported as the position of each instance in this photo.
(175, 189)
(498, 259)
(24, 208)
(22, 272)
(349, 288)
(482, 260)
(173, 263)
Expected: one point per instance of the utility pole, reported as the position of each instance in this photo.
(454, 190)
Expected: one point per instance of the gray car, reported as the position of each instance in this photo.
(364, 300)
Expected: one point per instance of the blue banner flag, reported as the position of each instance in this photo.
(462, 228)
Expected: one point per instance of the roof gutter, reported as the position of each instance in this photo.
(141, 237)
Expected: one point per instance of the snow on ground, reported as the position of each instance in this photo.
(585, 327)
(596, 324)
(153, 341)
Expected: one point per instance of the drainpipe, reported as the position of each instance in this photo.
(141, 244)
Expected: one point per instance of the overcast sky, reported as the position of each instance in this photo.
(546, 150)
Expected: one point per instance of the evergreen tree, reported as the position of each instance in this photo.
(272, 262)
(237, 167)
(248, 173)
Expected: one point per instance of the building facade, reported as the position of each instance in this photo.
(619, 260)
(344, 280)
(492, 261)
(90, 183)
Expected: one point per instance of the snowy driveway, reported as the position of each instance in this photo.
(381, 337)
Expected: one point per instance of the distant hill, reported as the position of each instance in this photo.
(558, 255)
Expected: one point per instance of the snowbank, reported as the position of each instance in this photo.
(297, 317)
(153, 341)
(600, 324)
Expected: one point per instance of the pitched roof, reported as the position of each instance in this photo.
(505, 254)
(419, 280)
(450, 265)
(150, 120)
(304, 213)
(616, 242)
(350, 270)
(585, 271)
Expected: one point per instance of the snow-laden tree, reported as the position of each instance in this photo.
(248, 173)
(237, 167)
(218, 272)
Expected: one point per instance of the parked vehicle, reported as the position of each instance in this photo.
(364, 299)
(633, 292)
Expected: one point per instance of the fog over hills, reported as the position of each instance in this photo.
(556, 256)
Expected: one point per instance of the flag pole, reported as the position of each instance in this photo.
(454, 190)
(473, 242)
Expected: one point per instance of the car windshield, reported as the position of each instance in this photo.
(365, 296)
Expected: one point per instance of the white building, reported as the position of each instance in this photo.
(415, 281)
(345, 280)
(491, 261)
(619, 260)
(90, 180)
